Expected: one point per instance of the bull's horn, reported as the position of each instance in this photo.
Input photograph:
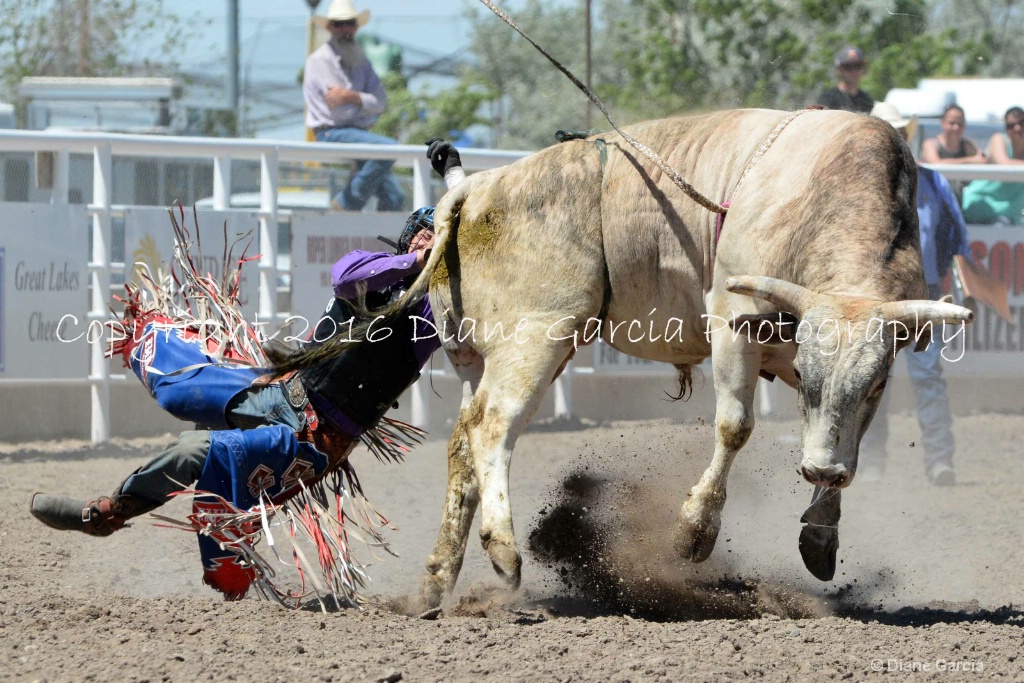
(924, 310)
(786, 295)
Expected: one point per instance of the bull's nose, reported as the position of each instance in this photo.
(834, 476)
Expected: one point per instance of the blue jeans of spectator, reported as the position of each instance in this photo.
(372, 177)
(933, 414)
(181, 463)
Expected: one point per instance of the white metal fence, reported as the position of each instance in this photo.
(52, 153)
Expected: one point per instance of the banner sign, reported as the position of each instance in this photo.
(44, 283)
(991, 346)
(319, 240)
(1000, 251)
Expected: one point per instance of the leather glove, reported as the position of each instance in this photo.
(443, 155)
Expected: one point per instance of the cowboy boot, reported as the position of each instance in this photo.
(100, 517)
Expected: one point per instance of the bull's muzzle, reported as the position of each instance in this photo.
(832, 476)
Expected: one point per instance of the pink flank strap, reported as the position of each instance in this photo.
(720, 222)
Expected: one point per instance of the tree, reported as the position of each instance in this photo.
(84, 38)
(413, 118)
(532, 99)
(779, 54)
(661, 57)
(996, 24)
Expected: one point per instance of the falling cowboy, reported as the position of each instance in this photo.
(272, 449)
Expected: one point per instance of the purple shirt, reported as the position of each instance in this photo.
(379, 271)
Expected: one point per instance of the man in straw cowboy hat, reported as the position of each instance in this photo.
(943, 236)
(344, 97)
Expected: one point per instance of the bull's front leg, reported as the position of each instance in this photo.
(735, 366)
(819, 539)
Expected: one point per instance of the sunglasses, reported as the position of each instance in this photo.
(852, 67)
(347, 23)
(1010, 125)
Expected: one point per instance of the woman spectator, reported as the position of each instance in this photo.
(991, 201)
(950, 146)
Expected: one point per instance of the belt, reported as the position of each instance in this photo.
(321, 129)
(294, 392)
(291, 387)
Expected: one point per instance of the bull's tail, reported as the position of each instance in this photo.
(446, 218)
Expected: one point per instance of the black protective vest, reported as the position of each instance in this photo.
(365, 380)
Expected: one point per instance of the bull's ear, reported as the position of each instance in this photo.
(766, 328)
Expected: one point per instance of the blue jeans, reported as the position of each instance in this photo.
(264, 406)
(181, 463)
(372, 177)
(177, 467)
(933, 414)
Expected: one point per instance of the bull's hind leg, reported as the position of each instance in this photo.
(445, 562)
(736, 366)
(819, 538)
(514, 381)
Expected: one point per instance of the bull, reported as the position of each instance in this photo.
(585, 238)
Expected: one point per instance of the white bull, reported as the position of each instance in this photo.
(821, 233)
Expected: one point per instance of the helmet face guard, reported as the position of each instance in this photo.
(421, 219)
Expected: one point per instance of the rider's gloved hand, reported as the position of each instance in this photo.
(443, 155)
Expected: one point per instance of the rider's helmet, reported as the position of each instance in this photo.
(419, 219)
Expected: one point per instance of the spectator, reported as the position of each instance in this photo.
(846, 94)
(950, 146)
(943, 235)
(344, 97)
(993, 201)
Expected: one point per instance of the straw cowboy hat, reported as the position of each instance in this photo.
(343, 10)
(891, 115)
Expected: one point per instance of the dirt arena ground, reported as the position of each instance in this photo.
(931, 579)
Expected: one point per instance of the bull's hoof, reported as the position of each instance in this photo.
(431, 592)
(506, 562)
(818, 547)
(694, 541)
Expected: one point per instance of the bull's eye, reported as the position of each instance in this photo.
(880, 387)
(797, 374)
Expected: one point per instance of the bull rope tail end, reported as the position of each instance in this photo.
(284, 360)
(686, 187)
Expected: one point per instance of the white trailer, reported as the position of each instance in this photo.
(984, 100)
